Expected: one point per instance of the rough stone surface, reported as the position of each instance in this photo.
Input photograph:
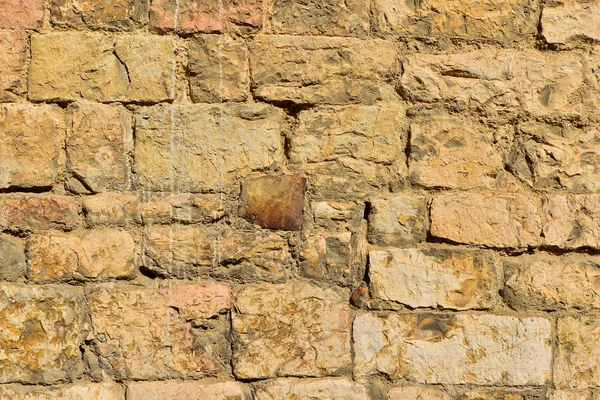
(185, 207)
(13, 45)
(100, 254)
(348, 151)
(99, 144)
(571, 221)
(577, 357)
(398, 220)
(147, 333)
(26, 213)
(30, 141)
(416, 393)
(80, 391)
(312, 389)
(185, 148)
(295, 329)
(478, 349)
(435, 277)
(70, 66)
(275, 202)
(177, 390)
(21, 14)
(42, 328)
(12, 258)
(566, 20)
(500, 395)
(309, 70)
(573, 395)
(494, 220)
(111, 209)
(114, 15)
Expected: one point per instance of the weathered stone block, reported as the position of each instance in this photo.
(500, 395)
(505, 80)
(494, 220)
(42, 329)
(348, 151)
(477, 349)
(218, 69)
(335, 216)
(205, 147)
(114, 15)
(79, 391)
(184, 207)
(26, 213)
(313, 389)
(573, 395)
(577, 357)
(99, 145)
(416, 393)
(504, 21)
(176, 390)
(111, 209)
(148, 333)
(209, 16)
(274, 202)
(21, 14)
(572, 221)
(566, 20)
(296, 329)
(312, 70)
(13, 45)
(458, 153)
(69, 66)
(435, 277)
(31, 139)
(12, 258)
(99, 254)
(397, 220)
(314, 17)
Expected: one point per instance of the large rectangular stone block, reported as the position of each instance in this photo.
(314, 389)
(22, 213)
(193, 390)
(21, 14)
(113, 15)
(79, 391)
(13, 46)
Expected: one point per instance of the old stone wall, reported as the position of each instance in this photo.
(299, 199)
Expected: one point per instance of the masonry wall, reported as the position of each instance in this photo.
(312, 199)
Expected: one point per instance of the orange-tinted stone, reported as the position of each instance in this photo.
(12, 59)
(37, 212)
(21, 14)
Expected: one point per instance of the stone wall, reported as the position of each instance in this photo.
(299, 199)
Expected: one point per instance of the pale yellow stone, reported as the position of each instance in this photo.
(191, 390)
(577, 356)
(493, 395)
(572, 221)
(79, 391)
(573, 395)
(111, 209)
(567, 20)
(416, 393)
(312, 389)
(397, 220)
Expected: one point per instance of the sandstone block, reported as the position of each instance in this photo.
(114, 15)
(499, 395)
(494, 220)
(567, 20)
(334, 216)
(295, 329)
(204, 147)
(477, 349)
(242, 16)
(69, 66)
(577, 356)
(504, 80)
(218, 68)
(312, 70)
(26, 213)
(572, 221)
(99, 254)
(274, 202)
(184, 207)
(13, 45)
(313, 17)
(458, 153)
(99, 145)
(436, 277)
(21, 14)
(111, 209)
(398, 219)
(312, 389)
(573, 395)
(348, 151)
(503, 21)
(42, 329)
(80, 391)
(416, 393)
(12, 258)
(189, 251)
(176, 390)
(31, 139)
(148, 333)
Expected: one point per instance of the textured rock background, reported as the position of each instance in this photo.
(299, 199)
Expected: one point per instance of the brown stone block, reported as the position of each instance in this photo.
(114, 15)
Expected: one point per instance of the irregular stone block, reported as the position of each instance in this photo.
(31, 138)
(42, 329)
(99, 145)
(218, 69)
(505, 80)
(572, 221)
(114, 15)
(13, 45)
(101, 68)
(503, 21)
(274, 202)
(335, 216)
(435, 277)
(99, 254)
(566, 20)
(149, 333)
(458, 153)
(416, 393)
(79, 391)
(26, 213)
(313, 17)
(295, 329)
(349, 151)
(175, 390)
(397, 220)
(463, 348)
(184, 207)
(313, 70)
(111, 209)
(12, 258)
(577, 357)
(209, 16)
(204, 147)
(21, 14)
(494, 220)
(313, 389)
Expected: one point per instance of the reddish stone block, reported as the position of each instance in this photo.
(37, 212)
(21, 14)
(12, 60)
